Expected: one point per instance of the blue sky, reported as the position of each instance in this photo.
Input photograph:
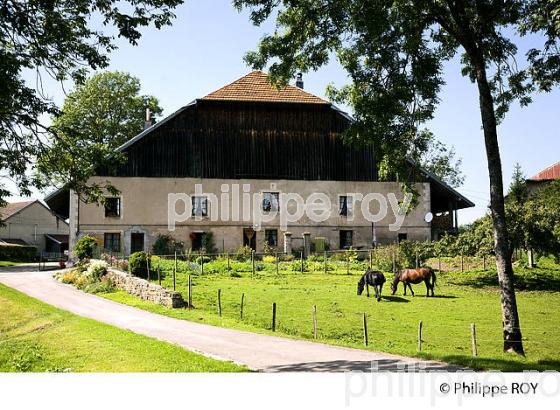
(204, 49)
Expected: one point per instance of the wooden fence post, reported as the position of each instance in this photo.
(148, 267)
(365, 330)
(484, 262)
(241, 307)
(202, 263)
(190, 292)
(325, 261)
(253, 261)
(314, 321)
(370, 259)
(301, 256)
(394, 262)
(174, 278)
(462, 260)
(277, 263)
(347, 263)
(159, 274)
(228, 264)
(274, 317)
(175, 261)
(473, 336)
(417, 260)
(420, 336)
(219, 302)
(439, 261)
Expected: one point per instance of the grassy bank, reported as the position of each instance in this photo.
(36, 337)
(461, 299)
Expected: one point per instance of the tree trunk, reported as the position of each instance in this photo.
(510, 317)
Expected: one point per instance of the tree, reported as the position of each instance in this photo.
(55, 38)
(97, 117)
(518, 192)
(439, 159)
(393, 51)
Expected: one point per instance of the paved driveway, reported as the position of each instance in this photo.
(258, 352)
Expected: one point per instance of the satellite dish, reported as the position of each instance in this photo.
(429, 217)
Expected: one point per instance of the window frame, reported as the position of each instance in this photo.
(275, 235)
(346, 232)
(274, 200)
(201, 200)
(107, 209)
(345, 208)
(112, 241)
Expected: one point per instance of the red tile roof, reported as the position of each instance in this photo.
(13, 208)
(552, 172)
(256, 86)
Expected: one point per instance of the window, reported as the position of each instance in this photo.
(270, 201)
(112, 207)
(199, 206)
(345, 239)
(403, 237)
(196, 240)
(112, 242)
(271, 237)
(344, 205)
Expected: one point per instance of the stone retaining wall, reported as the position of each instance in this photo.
(144, 289)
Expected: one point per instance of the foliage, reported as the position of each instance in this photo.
(269, 259)
(61, 40)
(267, 249)
(166, 245)
(96, 269)
(208, 244)
(243, 253)
(394, 53)
(96, 118)
(137, 264)
(436, 157)
(85, 248)
(18, 253)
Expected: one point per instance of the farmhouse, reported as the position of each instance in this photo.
(252, 138)
(543, 178)
(32, 223)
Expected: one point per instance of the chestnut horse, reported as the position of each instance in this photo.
(415, 276)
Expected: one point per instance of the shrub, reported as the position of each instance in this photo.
(137, 264)
(167, 245)
(208, 244)
(70, 277)
(85, 247)
(103, 286)
(96, 269)
(199, 260)
(269, 259)
(243, 253)
(17, 253)
(82, 281)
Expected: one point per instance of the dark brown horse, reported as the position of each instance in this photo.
(372, 278)
(415, 276)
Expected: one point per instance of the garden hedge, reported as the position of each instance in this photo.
(17, 253)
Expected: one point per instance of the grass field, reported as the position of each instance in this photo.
(36, 337)
(7, 263)
(461, 299)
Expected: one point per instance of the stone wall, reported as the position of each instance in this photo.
(144, 289)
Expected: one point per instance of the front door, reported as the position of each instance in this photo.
(250, 238)
(136, 242)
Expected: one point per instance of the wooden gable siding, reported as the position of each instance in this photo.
(215, 139)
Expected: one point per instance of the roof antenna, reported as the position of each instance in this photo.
(299, 80)
(148, 122)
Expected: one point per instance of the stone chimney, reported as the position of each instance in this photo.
(148, 122)
(299, 80)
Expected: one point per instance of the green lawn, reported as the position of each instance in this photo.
(8, 263)
(36, 337)
(462, 298)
